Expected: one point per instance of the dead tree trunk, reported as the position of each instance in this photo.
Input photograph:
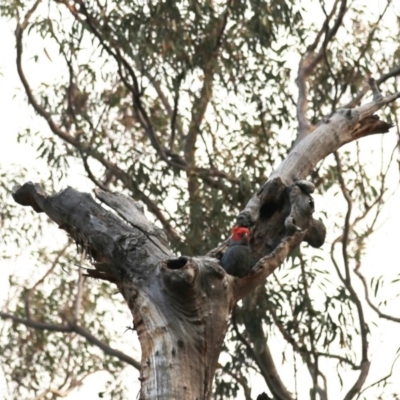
(181, 306)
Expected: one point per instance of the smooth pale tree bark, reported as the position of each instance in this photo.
(181, 306)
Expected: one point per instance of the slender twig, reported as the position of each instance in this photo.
(134, 87)
(324, 27)
(301, 350)
(350, 76)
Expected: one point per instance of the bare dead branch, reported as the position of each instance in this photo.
(344, 126)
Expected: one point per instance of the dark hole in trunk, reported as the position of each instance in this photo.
(177, 263)
(268, 209)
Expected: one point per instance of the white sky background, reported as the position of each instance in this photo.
(382, 257)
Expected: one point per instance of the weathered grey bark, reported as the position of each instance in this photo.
(181, 306)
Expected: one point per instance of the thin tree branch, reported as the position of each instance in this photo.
(308, 64)
(383, 78)
(329, 36)
(72, 327)
(302, 352)
(242, 381)
(29, 14)
(313, 365)
(170, 112)
(201, 102)
(324, 27)
(368, 299)
(265, 364)
(30, 291)
(36, 324)
(365, 363)
(175, 111)
(342, 359)
(382, 379)
(79, 291)
(105, 347)
(134, 88)
(350, 75)
(345, 236)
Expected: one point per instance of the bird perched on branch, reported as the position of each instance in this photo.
(237, 260)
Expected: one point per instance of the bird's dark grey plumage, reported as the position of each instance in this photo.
(237, 260)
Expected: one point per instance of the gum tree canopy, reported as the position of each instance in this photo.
(190, 108)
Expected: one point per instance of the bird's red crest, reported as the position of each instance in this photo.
(238, 232)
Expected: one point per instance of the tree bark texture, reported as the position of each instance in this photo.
(180, 305)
